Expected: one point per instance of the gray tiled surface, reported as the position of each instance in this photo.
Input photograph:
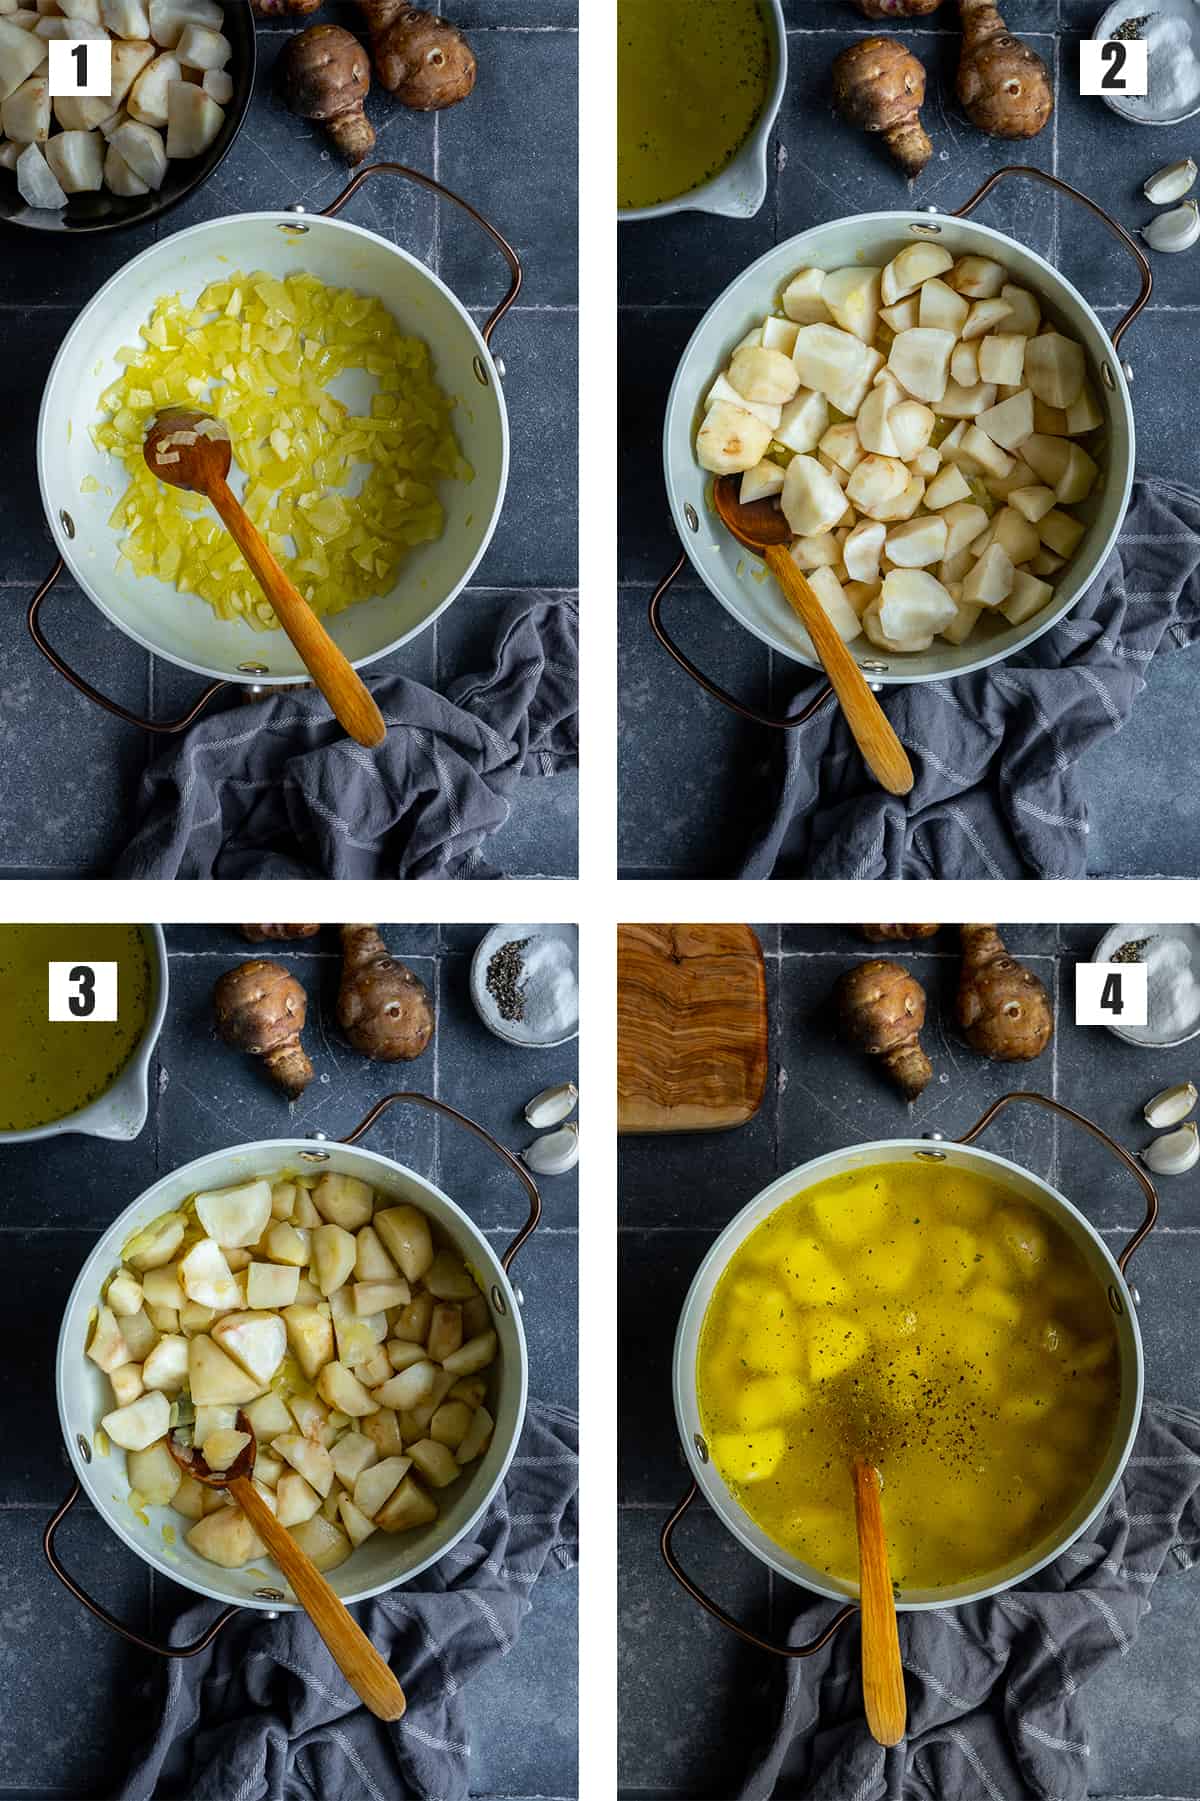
(710, 763)
(67, 807)
(59, 1195)
(691, 1696)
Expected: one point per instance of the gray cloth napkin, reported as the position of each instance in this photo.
(265, 1714)
(997, 1704)
(998, 790)
(276, 790)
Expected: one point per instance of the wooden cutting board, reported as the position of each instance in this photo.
(691, 1027)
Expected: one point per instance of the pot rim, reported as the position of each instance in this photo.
(683, 1381)
(84, 1468)
(103, 1117)
(750, 158)
(899, 219)
(64, 541)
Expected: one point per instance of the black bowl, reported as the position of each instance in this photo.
(108, 212)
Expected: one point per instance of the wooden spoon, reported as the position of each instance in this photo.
(347, 1643)
(179, 453)
(762, 528)
(883, 1678)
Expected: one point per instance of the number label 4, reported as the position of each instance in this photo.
(1111, 994)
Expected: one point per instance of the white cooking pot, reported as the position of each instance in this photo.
(181, 627)
(120, 1112)
(729, 572)
(385, 1560)
(739, 189)
(1109, 1272)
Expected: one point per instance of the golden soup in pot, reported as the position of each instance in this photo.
(945, 1327)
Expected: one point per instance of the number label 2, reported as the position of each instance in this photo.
(1117, 67)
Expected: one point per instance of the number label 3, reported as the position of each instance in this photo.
(86, 991)
(1111, 994)
(1113, 66)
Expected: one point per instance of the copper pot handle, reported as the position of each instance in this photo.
(718, 1613)
(1098, 1132)
(516, 274)
(159, 726)
(505, 1156)
(1118, 231)
(107, 1619)
(668, 643)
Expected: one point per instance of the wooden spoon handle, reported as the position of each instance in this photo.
(347, 694)
(348, 1645)
(883, 1678)
(882, 751)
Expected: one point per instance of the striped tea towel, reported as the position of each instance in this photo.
(264, 1714)
(998, 790)
(997, 1695)
(275, 790)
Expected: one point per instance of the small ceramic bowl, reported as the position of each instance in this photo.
(109, 212)
(1108, 27)
(485, 1006)
(741, 187)
(1105, 951)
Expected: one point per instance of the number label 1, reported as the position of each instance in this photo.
(86, 991)
(1111, 994)
(1114, 66)
(80, 68)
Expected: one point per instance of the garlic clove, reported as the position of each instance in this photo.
(1171, 183)
(1171, 1106)
(1176, 230)
(1175, 1152)
(552, 1105)
(554, 1153)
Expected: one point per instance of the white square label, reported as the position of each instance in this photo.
(80, 68)
(1111, 994)
(1113, 66)
(83, 991)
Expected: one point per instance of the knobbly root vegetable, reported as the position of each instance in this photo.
(424, 61)
(1004, 87)
(1003, 1010)
(897, 9)
(896, 934)
(881, 1010)
(284, 9)
(325, 75)
(878, 85)
(260, 934)
(259, 1008)
(383, 1008)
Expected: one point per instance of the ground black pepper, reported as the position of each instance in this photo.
(504, 972)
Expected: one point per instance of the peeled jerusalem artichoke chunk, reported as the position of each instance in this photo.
(879, 85)
(383, 1008)
(325, 75)
(881, 1009)
(1004, 87)
(424, 61)
(260, 1008)
(1003, 1009)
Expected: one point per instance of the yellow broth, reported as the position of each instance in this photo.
(931, 1319)
(692, 77)
(49, 1071)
